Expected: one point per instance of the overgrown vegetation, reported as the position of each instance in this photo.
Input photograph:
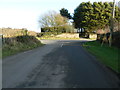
(17, 44)
(105, 54)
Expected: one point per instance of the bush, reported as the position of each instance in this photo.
(18, 44)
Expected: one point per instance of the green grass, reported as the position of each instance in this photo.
(8, 51)
(107, 55)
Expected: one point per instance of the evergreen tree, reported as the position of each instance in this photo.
(64, 13)
(94, 16)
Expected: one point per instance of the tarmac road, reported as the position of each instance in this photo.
(58, 64)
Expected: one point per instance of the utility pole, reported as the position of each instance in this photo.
(113, 13)
(112, 24)
(119, 44)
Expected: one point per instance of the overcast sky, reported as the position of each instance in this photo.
(25, 13)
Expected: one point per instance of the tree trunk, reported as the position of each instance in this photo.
(103, 37)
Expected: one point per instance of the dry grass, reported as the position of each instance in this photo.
(8, 32)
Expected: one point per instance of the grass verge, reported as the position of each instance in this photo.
(107, 55)
(16, 46)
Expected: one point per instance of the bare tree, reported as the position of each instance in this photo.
(52, 19)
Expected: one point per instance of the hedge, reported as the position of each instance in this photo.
(62, 29)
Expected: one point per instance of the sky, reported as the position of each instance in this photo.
(26, 13)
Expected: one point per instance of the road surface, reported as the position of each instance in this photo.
(58, 64)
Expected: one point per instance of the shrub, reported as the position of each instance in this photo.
(18, 44)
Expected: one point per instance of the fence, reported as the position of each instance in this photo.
(105, 38)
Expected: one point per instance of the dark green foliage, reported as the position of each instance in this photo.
(57, 29)
(92, 17)
(25, 39)
(64, 13)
